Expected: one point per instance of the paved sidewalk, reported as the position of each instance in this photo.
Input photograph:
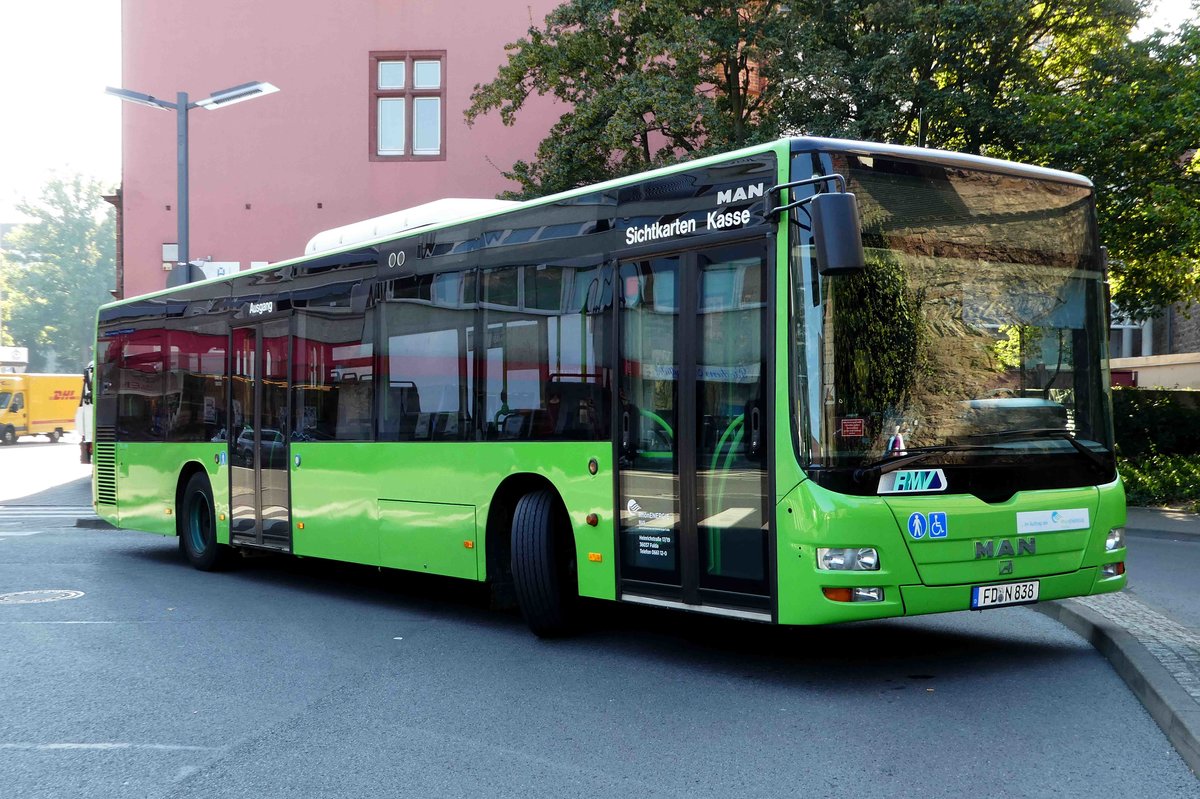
(1163, 520)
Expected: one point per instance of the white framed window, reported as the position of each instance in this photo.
(408, 105)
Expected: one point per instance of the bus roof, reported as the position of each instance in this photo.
(439, 214)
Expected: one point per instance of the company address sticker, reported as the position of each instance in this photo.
(1052, 521)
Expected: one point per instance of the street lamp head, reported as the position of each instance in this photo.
(236, 94)
(141, 99)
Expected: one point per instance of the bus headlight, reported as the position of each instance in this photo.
(863, 559)
(1115, 540)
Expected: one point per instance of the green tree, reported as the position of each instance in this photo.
(1052, 82)
(1132, 123)
(59, 269)
(944, 73)
(645, 82)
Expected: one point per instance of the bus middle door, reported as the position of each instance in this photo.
(258, 436)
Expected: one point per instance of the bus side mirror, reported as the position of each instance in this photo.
(837, 234)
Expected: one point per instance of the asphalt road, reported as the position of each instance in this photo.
(300, 678)
(1163, 571)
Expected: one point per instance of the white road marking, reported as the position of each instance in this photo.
(13, 533)
(32, 747)
(129, 621)
(45, 510)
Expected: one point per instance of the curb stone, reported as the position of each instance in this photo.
(1168, 703)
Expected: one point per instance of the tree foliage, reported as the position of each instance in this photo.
(58, 271)
(645, 82)
(943, 73)
(1053, 82)
(1132, 123)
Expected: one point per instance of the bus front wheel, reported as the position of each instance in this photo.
(197, 526)
(545, 577)
(8, 435)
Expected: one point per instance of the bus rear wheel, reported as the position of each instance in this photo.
(545, 577)
(197, 526)
(54, 436)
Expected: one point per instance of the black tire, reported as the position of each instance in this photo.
(8, 436)
(545, 576)
(196, 522)
(55, 436)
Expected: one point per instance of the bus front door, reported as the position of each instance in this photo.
(693, 432)
(258, 436)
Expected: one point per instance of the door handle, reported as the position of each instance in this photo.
(628, 434)
(754, 440)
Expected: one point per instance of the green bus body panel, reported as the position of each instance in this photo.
(971, 522)
(147, 475)
(787, 469)
(411, 500)
(810, 517)
(428, 536)
(408, 506)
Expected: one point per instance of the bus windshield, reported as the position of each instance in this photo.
(976, 328)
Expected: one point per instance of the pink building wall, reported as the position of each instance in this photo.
(259, 169)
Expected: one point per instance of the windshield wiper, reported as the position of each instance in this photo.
(892, 463)
(1054, 432)
(915, 454)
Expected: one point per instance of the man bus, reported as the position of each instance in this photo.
(674, 389)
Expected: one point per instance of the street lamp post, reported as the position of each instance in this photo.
(181, 107)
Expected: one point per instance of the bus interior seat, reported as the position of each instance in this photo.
(404, 411)
(578, 410)
(515, 425)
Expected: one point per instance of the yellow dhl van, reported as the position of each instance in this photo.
(37, 404)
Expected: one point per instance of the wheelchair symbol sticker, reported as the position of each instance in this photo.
(916, 526)
(937, 525)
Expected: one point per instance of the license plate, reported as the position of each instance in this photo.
(994, 596)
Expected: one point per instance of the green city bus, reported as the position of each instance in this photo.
(805, 382)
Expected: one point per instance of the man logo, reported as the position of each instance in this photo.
(988, 549)
(739, 194)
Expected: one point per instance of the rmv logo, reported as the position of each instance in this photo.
(739, 194)
(923, 480)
